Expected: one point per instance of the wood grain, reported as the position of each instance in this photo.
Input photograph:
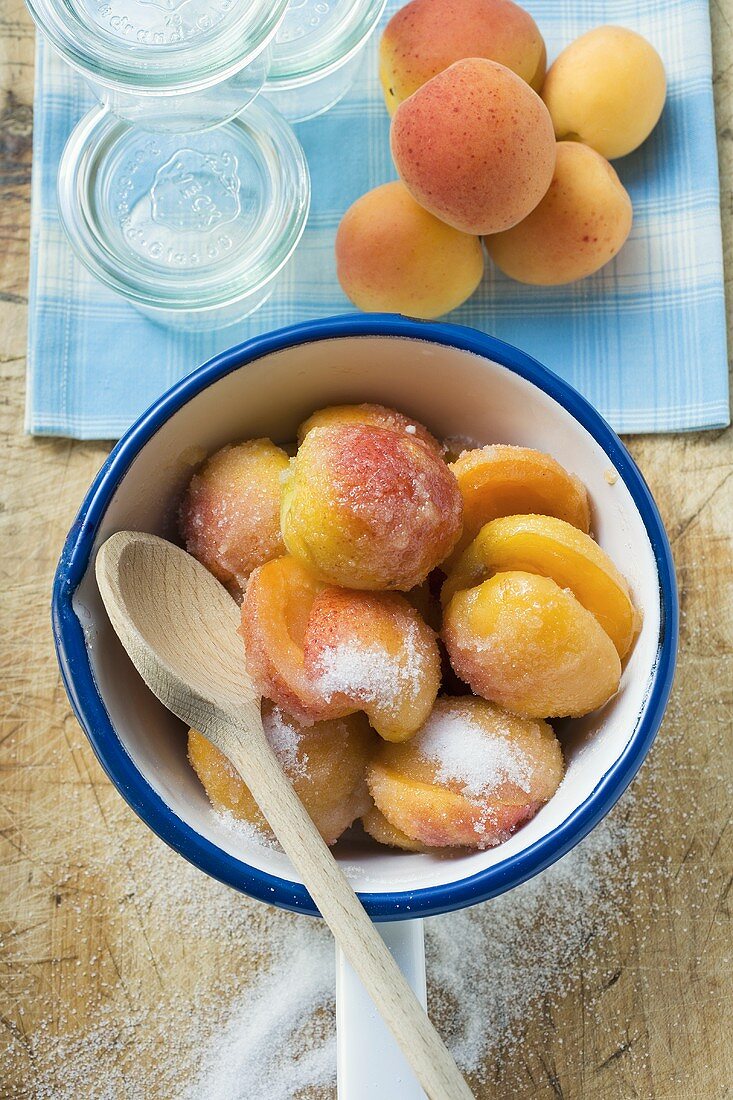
(86, 938)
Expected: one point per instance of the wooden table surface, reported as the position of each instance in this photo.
(105, 953)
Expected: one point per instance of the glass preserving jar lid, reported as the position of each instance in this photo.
(184, 221)
(158, 45)
(318, 35)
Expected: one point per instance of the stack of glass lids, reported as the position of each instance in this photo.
(182, 64)
(185, 191)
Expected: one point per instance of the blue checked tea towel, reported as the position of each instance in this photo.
(644, 339)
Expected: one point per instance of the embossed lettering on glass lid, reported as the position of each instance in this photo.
(191, 211)
(184, 219)
(159, 42)
(153, 22)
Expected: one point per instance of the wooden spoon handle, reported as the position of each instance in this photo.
(179, 627)
(357, 937)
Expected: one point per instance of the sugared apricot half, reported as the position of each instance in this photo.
(470, 776)
(552, 548)
(382, 830)
(324, 652)
(374, 649)
(523, 642)
(502, 480)
(275, 611)
(230, 515)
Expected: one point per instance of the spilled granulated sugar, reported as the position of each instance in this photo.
(267, 1036)
(465, 754)
(261, 1020)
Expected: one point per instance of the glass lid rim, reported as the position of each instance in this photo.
(77, 167)
(328, 52)
(166, 66)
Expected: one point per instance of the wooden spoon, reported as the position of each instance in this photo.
(180, 629)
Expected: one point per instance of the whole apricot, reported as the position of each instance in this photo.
(523, 642)
(470, 776)
(326, 764)
(475, 146)
(369, 508)
(394, 256)
(580, 224)
(230, 514)
(606, 89)
(426, 36)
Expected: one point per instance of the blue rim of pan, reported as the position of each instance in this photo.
(90, 710)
